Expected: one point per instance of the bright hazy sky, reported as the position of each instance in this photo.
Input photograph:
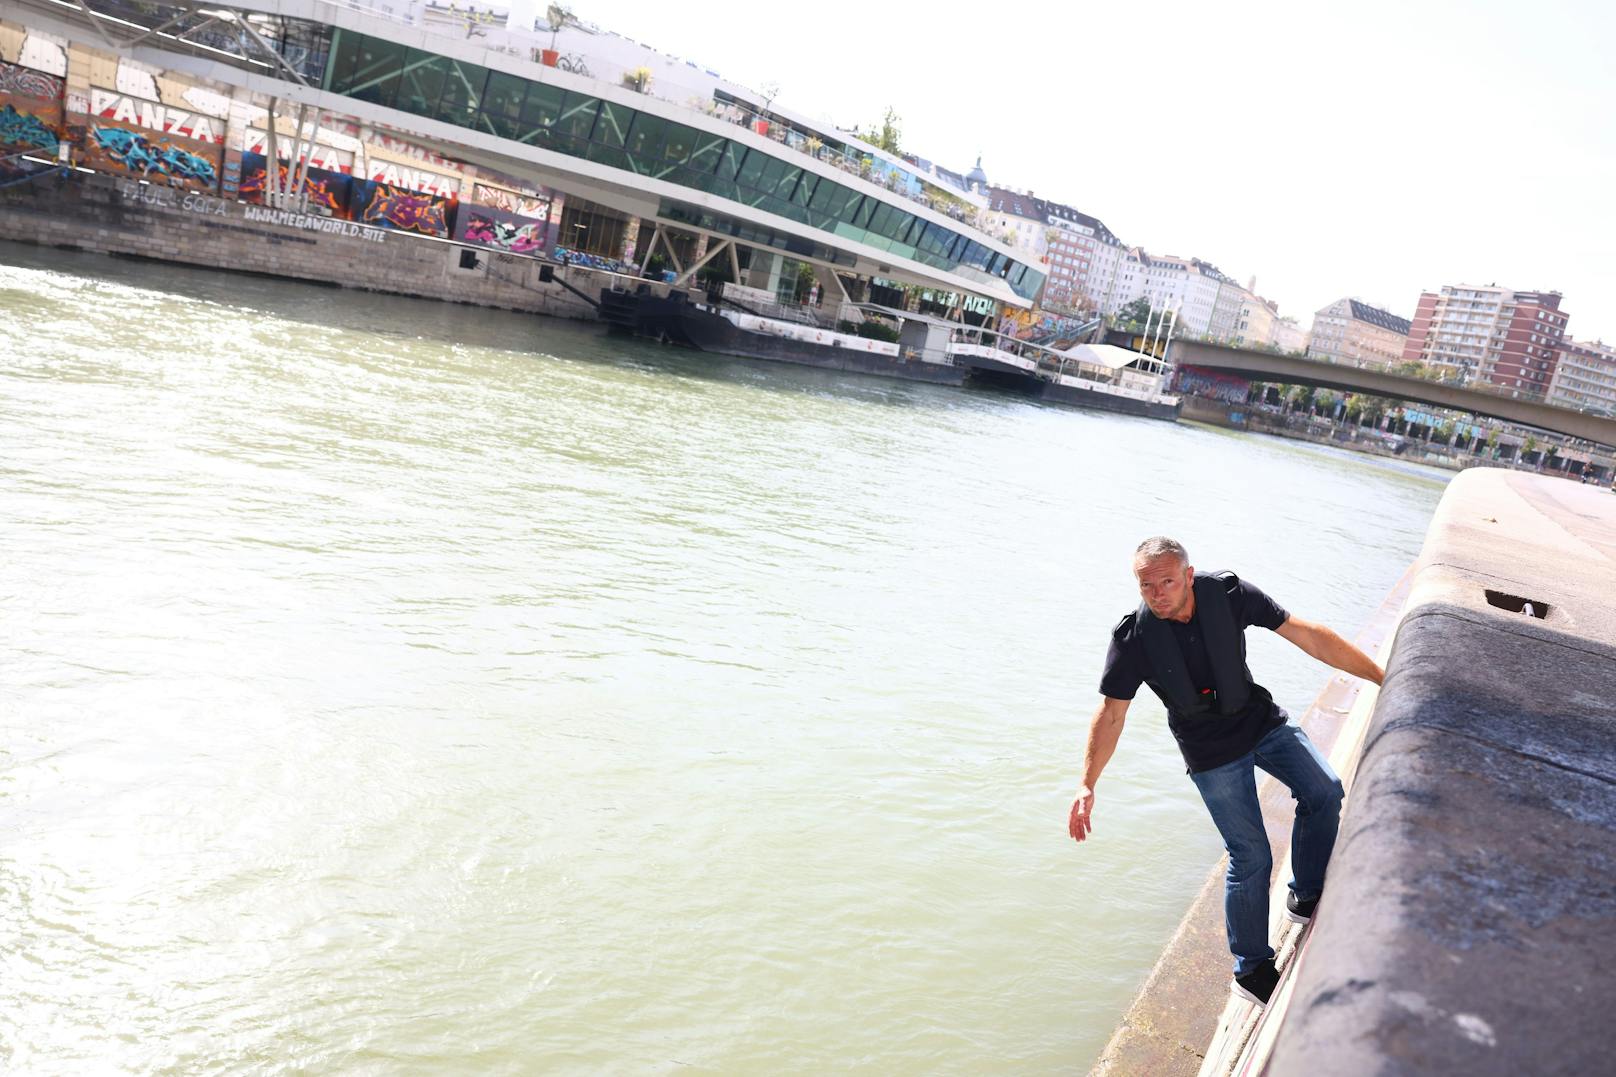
(1375, 150)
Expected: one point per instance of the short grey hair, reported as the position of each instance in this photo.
(1161, 546)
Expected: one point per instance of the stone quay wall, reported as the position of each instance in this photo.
(1468, 925)
(120, 216)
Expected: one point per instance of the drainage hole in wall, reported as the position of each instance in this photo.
(1532, 607)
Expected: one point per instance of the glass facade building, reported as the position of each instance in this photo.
(468, 95)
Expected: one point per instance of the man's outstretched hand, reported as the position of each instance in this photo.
(1079, 824)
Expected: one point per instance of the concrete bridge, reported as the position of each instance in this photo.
(1294, 370)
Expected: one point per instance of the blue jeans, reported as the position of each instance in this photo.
(1230, 793)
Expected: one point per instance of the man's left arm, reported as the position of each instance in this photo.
(1325, 644)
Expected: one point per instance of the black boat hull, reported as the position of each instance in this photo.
(988, 374)
(676, 320)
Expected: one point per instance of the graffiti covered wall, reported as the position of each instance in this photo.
(534, 204)
(329, 191)
(502, 230)
(168, 159)
(386, 206)
(30, 114)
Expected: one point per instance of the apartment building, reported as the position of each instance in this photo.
(1289, 336)
(1486, 334)
(1257, 320)
(1585, 377)
(1083, 258)
(1353, 332)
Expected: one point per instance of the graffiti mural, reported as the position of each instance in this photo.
(317, 155)
(517, 239)
(525, 203)
(30, 116)
(137, 154)
(28, 83)
(500, 230)
(122, 108)
(1212, 384)
(330, 191)
(25, 130)
(173, 162)
(386, 206)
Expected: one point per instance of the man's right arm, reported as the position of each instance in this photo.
(1104, 732)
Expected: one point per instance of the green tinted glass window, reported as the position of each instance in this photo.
(420, 83)
(612, 127)
(541, 108)
(678, 144)
(773, 169)
(645, 141)
(884, 219)
(804, 192)
(826, 195)
(730, 164)
(577, 119)
(502, 104)
(785, 184)
(752, 169)
(375, 71)
(463, 86)
(705, 157)
(344, 54)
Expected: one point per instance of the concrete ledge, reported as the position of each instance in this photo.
(1469, 921)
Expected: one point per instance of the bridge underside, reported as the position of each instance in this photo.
(1293, 370)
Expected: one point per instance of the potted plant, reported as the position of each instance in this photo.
(638, 79)
(557, 17)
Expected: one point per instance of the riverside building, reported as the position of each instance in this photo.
(1585, 377)
(1207, 301)
(1256, 322)
(1490, 335)
(1353, 332)
(718, 222)
(306, 87)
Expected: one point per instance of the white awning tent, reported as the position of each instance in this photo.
(1106, 355)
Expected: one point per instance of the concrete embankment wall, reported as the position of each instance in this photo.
(1468, 924)
(120, 216)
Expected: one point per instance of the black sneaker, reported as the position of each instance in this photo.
(1300, 910)
(1257, 986)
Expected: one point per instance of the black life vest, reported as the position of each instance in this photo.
(1223, 647)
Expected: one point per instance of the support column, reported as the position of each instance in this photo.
(707, 256)
(833, 296)
(272, 155)
(764, 273)
(631, 235)
(235, 140)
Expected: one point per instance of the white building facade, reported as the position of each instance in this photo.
(1585, 377)
(1354, 332)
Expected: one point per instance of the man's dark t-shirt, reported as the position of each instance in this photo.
(1209, 740)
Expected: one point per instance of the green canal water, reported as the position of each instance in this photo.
(391, 686)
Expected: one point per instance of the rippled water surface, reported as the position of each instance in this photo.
(388, 685)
